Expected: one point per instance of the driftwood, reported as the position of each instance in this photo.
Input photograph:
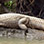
(15, 20)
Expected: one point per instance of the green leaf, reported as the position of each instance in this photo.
(8, 4)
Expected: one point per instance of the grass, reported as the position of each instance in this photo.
(19, 41)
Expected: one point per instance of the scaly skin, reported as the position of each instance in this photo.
(15, 20)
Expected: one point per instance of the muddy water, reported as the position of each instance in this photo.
(19, 41)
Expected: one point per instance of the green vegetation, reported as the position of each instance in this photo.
(8, 4)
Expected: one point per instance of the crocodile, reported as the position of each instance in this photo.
(16, 20)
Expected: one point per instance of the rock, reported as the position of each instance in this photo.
(31, 35)
(35, 34)
(19, 34)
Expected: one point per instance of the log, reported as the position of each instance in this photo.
(15, 20)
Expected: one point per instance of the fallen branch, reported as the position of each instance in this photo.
(15, 20)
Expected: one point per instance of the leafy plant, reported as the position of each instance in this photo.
(8, 4)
